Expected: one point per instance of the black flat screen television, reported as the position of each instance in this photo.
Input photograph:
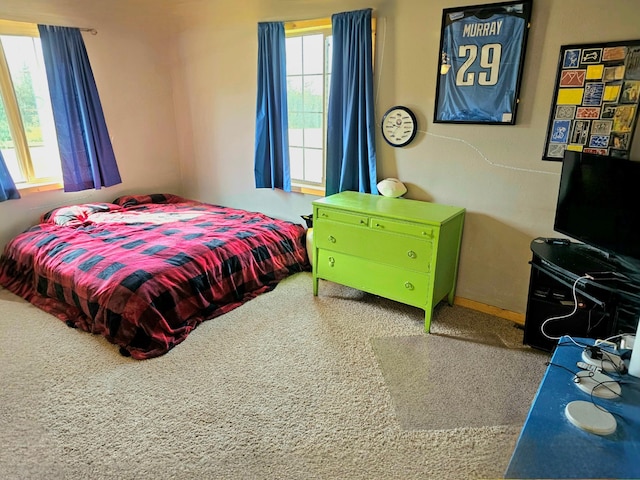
(599, 203)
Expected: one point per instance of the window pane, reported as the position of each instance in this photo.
(294, 94)
(46, 161)
(313, 120)
(313, 54)
(313, 165)
(313, 137)
(26, 66)
(10, 159)
(296, 129)
(293, 46)
(7, 147)
(296, 157)
(313, 131)
(313, 88)
(308, 62)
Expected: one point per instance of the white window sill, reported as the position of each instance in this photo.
(308, 190)
(29, 188)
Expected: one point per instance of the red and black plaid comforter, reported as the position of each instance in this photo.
(144, 271)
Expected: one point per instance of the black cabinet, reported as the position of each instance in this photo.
(563, 301)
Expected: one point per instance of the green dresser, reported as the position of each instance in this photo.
(401, 249)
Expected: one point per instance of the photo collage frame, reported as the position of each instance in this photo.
(595, 103)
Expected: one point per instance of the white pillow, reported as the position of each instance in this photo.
(392, 187)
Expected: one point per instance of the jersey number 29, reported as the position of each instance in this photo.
(490, 54)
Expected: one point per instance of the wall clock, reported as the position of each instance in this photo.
(399, 126)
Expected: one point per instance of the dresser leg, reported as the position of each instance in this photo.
(451, 298)
(315, 286)
(427, 320)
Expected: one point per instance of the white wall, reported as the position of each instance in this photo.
(495, 172)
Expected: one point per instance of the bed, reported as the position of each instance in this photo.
(145, 270)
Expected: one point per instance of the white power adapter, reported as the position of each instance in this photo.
(627, 341)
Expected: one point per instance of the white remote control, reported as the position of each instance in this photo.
(588, 366)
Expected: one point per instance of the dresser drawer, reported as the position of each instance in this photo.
(415, 229)
(404, 286)
(342, 217)
(403, 251)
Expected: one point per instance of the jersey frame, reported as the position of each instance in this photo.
(480, 63)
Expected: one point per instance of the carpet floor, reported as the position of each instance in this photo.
(286, 386)
(437, 382)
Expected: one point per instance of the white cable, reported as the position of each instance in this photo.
(614, 336)
(574, 342)
(575, 309)
(484, 157)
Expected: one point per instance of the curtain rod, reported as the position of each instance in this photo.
(14, 27)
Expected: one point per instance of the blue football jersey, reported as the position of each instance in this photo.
(484, 56)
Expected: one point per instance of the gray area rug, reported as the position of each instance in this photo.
(438, 382)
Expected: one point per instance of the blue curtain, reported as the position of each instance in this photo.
(271, 162)
(86, 152)
(8, 190)
(351, 150)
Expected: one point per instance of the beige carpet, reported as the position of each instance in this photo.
(437, 382)
(286, 386)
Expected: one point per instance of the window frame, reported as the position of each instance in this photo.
(300, 29)
(305, 27)
(31, 183)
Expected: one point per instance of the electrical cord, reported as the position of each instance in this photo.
(585, 346)
(572, 342)
(598, 322)
(618, 366)
(560, 317)
(618, 336)
(550, 363)
(591, 374)
(484, 157)
(603, 384)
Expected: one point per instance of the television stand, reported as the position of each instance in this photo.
(607, 304)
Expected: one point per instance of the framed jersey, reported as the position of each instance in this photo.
(482, 50)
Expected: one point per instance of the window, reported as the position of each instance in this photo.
(309, 57)
(308, 46)
(27, 132)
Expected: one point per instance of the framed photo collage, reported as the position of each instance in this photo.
(595, 103)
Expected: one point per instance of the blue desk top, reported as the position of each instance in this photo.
(550, 446)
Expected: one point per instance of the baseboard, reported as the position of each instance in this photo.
(491, 310)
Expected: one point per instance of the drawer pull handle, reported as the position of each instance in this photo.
(411, 254)
(332, 261)
(378, 225)
(363, 222)
(332, 239)
(323, 214)
(408, 285)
